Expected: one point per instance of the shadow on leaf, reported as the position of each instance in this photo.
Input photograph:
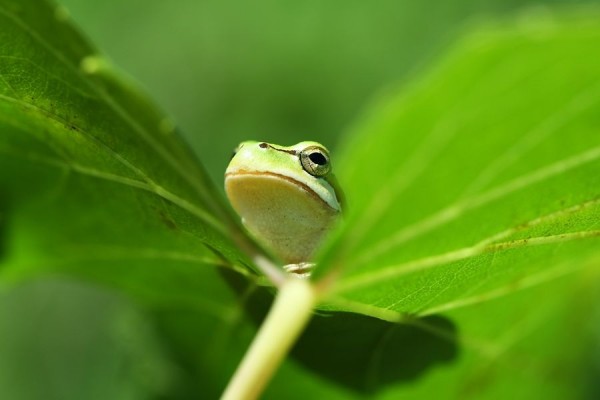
(362, 353)
(367, 354)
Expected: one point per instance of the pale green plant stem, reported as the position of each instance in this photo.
(286, 320)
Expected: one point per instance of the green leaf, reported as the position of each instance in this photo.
(475, 194)
(90, 169)
(481, 179)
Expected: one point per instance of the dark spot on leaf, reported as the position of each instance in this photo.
(475, 386)
(512, 286)
(522, 226)
(166, 219)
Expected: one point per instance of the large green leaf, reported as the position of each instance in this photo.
(475, 193)
(90, 170)
(481, 179)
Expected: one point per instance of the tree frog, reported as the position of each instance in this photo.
(287, 198)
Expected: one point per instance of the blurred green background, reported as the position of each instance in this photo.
(226, 71)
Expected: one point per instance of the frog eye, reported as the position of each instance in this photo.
(315, 161)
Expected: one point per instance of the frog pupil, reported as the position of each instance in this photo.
(318, 158)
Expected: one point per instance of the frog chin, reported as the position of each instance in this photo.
(282, 216)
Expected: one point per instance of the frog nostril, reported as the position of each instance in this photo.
(263, 145)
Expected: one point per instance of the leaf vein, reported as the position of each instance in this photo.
(457, 255)
(169, 158)
(454, 211)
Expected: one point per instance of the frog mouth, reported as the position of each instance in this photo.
(295, 182)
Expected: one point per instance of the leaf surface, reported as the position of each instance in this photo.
(87, 157)
(474, 195)
(481, 179)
